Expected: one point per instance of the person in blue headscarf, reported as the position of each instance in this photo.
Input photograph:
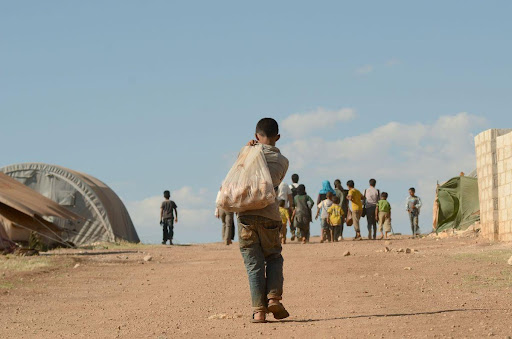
(326, 188)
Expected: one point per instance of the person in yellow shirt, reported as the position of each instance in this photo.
(336, 217)
(285, 219)
(357, 207)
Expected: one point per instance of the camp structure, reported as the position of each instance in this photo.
(456, 205)
(24, 212)
(106, 217)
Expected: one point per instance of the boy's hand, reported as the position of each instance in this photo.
(252, 143)
(176, 220)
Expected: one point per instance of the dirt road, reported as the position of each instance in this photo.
(454, 287)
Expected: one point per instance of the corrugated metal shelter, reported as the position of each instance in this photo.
(23, 211)
(106, 216)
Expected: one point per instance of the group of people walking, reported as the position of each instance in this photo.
(336, 208)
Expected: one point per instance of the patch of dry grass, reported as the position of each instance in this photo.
(24, 264)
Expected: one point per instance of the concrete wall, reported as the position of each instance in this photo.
(494, 167)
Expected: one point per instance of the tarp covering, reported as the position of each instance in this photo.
(107, 218)
(24, 199)
(458, 204)
(22, 211)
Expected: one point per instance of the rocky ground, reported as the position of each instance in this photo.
(432, 288)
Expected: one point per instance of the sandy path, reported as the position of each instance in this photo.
(455, 288)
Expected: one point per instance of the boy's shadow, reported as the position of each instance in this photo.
(380, 315)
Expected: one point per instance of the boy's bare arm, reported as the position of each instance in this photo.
(176, 219)
(161, 214)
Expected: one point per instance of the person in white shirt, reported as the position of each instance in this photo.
(371, 198)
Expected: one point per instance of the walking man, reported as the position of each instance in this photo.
(413, 205)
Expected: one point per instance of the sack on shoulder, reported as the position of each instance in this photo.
(363, 214)
(248, 184)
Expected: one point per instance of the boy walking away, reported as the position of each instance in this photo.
(258, 232)
(383, 215)
(413, 205)
(356, 199)
(228, 225)
(302, 213)
(371, 198)
(285, 220)
(336, 219)
(293, 188)
(321, 211)
(168, 216)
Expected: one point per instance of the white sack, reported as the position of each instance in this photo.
(248, 185)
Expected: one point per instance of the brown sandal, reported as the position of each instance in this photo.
(278, 311)
(257, 321)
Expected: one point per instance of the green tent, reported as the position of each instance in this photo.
(458, 205)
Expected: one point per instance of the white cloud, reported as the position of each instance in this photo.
(416, 154)
(301, 124)
(363, 70)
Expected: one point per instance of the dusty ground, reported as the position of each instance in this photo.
(454, 287)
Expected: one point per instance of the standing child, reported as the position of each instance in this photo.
(323, 207)
(336, 219)
(168, 211)
(302, 213)
(285, 219)
(383, 215)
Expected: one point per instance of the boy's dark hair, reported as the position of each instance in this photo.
(295, 178)
(336, 200)
(350, 183)
(373, 182)
(167, 194)
(267, 127)
(281, 203)
(412, 189)
(384, 195)
(329, 195)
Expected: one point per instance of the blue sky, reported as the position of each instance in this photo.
(156, 95)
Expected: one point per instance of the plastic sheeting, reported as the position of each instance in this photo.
(458, 204)
(106, 217)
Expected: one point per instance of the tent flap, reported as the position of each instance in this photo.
(458, 204)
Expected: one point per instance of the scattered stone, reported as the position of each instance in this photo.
(148, 258)
(387, 249)
(346, 254)
(387, 242)
(400, 250)
(455, 273)
(407, 268)
(510, 261)
(408, 250)
(76, 266)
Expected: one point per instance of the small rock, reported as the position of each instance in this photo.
(407, 268)
(408, 250)
(455, 273)
(400, 250)
(76, 266)
(387, 249)
(510, 261)
(387, 242)
(346, 254)
(148, 258)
